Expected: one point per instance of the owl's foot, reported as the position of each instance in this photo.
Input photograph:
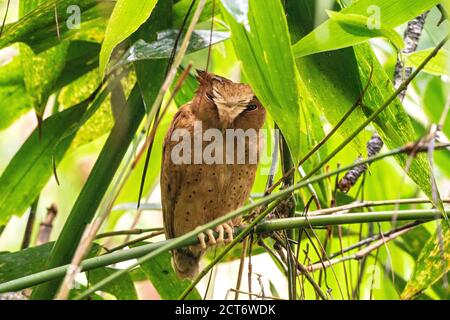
(211, 240)
(221, 230)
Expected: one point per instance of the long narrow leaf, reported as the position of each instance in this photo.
(432, 264)
(261, 40)
(331, 35)
(126, 18)
(30, 169)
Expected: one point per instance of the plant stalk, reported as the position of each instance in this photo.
(268, 226)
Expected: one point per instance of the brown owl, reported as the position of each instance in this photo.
(211, 170)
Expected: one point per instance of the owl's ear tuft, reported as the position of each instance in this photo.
(203, 77)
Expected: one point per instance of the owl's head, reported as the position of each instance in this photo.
(224, 104)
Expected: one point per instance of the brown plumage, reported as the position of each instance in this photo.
(195, 193)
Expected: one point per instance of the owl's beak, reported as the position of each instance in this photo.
(225, 118)
(227, 114)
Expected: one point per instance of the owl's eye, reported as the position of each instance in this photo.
(251, 107)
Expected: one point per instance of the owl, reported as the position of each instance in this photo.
(211, 171)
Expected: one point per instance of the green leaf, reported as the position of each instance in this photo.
(163, 46)
(80, 89)
(79, 289)
(160, 19)
(234, 254)
(14, 100)
(442, 157)
(413, 241)
(437, 65)
(122, 288)
(261, 40)
(41, 72)
(330, 86)
(137, 275)
(181, 8)
(160, 273)
(26, 7)
(97, 123)
(332, 79)
(22, 263)
(31, 167)
(14, 265)
(82, 57)
(125, 19)
(433, 263)
(393, 124)
(187, 90)
(331, 35)
(91, 28)
(94, 189)
(434, 99)
(358, 25)
(99, 118)
(129, 190)
(150, 75)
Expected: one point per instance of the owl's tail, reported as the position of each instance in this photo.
(186, 263)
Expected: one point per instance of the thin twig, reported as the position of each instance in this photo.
(170, 77)
(374, 145)
(231, 245)
(233, 214)
(343, 264)
(45, 228)
(30, 224)
(326, 138)
(4, 18)
(125, 232)
(57, 22)
(211, 35)
(210, 277)
(137, 240)
(280, 195)
(241, 268)
(153, 249)
(371, 239)
(250, 267)
(368, 204)
(148, 144)
(360, 254)
(95, 225)
(373, 273)
(254, 295)
(273, 164)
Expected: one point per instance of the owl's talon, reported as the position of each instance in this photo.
(201, 239)
(229, 230)
(210, 234)
(220, 230)
(207, 238)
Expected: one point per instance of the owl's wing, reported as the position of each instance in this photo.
(172, 174)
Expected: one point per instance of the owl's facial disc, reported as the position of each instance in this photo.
(231, 100)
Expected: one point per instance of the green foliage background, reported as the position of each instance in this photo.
(95, 88)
